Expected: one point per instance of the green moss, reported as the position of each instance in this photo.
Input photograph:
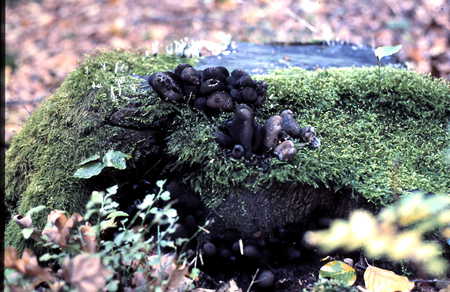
(69, 127)
(377, 138)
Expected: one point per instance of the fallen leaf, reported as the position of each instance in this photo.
(27, 265)
(89, 238)
(339, 271)
(86, 272)
(231, 286)
(139, 280)
(167, 274)
(380, 280)
(178, 280)
(59, 226)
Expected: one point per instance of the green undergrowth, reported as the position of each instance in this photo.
(378, 138)
(69, 127)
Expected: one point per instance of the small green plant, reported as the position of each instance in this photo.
(396, 233)
(382, 52)
(94, 164)
(80, 257)
(326, 285)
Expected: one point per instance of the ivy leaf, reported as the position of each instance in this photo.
(385, 51)
(339, 271)
(89, 170)
(115, 159)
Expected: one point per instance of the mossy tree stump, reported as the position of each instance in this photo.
(383, 132)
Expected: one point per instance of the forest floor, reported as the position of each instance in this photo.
(45, 40)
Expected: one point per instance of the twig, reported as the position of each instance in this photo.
(430, 281)
(302, 21)
(253, 280)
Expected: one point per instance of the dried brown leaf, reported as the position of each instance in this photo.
(86, 272)
(89, 238)
(178, 280)
(27, 265)
(59, 226)
(10, 257)
(169, 275)
(139, 279)
(381, 280)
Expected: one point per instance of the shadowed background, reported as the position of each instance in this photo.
(46, 39)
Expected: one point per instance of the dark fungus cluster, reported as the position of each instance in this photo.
(214, 89)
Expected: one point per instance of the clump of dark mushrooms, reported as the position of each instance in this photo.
(245, 136)
(214, 89)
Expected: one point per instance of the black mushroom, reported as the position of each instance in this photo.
(166, 86)
(214, 90)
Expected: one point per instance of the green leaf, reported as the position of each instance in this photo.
(112, 190)
(94, 157)
(148, 201)
(165, 196)
(167, 243)
(116, 214)
(89, 213)
(107, 224)
(180, 241)
(160, 183)
(171, 213)
(27, 232)
(35, 210)
(339, 271)
(385, 51)
(89, 170)
(115, 159)
(96, 197)
(47, 257)
(195, 273)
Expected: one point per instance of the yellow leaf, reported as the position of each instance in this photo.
(339, 271)
(380, 280)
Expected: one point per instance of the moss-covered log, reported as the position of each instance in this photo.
(383, 131)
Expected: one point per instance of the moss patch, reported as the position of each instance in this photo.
(71, 126)
(378, 138)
